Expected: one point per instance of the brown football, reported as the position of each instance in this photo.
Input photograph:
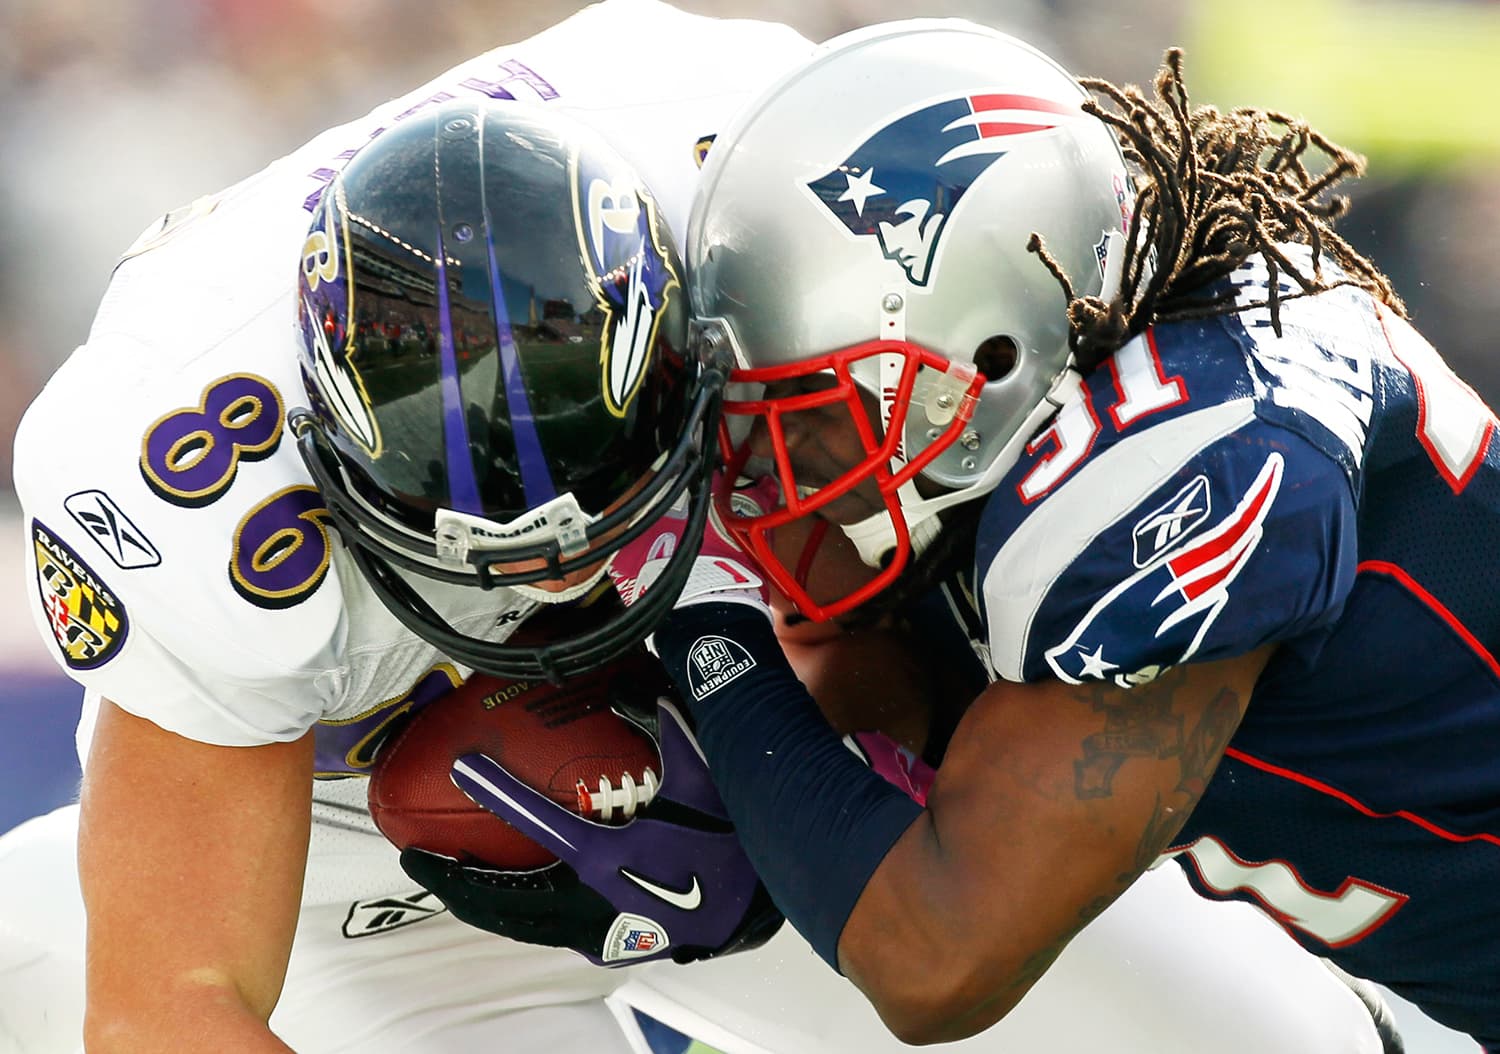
(562, 740)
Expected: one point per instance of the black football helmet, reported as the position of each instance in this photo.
(500, 386)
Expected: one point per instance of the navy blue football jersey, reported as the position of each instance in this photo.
(1335, 490)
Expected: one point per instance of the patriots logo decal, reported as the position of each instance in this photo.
(1186, 587)
(903, 183)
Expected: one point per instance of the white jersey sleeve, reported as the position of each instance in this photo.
(178, 559)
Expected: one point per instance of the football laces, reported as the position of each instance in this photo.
(627, 797)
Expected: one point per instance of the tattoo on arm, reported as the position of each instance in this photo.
(1206, 743)
(1143, 724)
(1200, 756)
(1147, 724)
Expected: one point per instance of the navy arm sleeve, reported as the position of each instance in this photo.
(814, 820)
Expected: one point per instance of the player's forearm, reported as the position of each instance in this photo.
(189, 1016)
(983, 888)
(921, 907)
(814, 820)
(1050, 802)
(190, 862)
(817, 825)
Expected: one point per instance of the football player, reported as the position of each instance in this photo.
(351, 423)
(297, 505)
(1087, 374)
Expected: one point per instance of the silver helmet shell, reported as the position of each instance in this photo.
(888, 189)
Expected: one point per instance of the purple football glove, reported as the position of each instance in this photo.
(672, 883)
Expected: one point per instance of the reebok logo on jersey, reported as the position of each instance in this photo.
(383, 914)
(715, 661)
(88, 621)
(121, 540)
(1177, 518)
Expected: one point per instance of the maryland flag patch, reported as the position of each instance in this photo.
(88, 621)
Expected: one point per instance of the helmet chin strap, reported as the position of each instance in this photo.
(875, 536)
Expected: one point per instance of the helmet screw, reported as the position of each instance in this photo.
(970, 440)
(968, 464)
(933, 434)
(892, 303)
(463, 232)
(944, 401)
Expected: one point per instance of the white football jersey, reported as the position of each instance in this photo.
(147, 466)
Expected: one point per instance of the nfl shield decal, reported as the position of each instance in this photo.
(88, 621)
(633, 937)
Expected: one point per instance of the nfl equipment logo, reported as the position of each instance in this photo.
(712, 657)
(715, 661)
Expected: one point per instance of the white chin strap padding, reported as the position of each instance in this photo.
(875, 536)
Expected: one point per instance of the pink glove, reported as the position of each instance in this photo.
(722, 571)
(898, 766)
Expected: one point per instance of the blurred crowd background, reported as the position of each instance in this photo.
(114, 111)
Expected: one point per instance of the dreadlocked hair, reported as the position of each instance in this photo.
(1214, 189)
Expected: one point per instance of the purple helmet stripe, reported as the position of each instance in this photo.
(536, 477)
(463, 486)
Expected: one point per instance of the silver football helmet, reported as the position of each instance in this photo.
(860, 243)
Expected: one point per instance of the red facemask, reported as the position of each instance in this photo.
(881, 467)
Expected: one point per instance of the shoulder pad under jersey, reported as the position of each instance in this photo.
(1168, 514)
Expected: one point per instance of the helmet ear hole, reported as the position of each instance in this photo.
(995, 357)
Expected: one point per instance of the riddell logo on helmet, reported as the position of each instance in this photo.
(512, 530)
(888, 404)
(880, 189)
